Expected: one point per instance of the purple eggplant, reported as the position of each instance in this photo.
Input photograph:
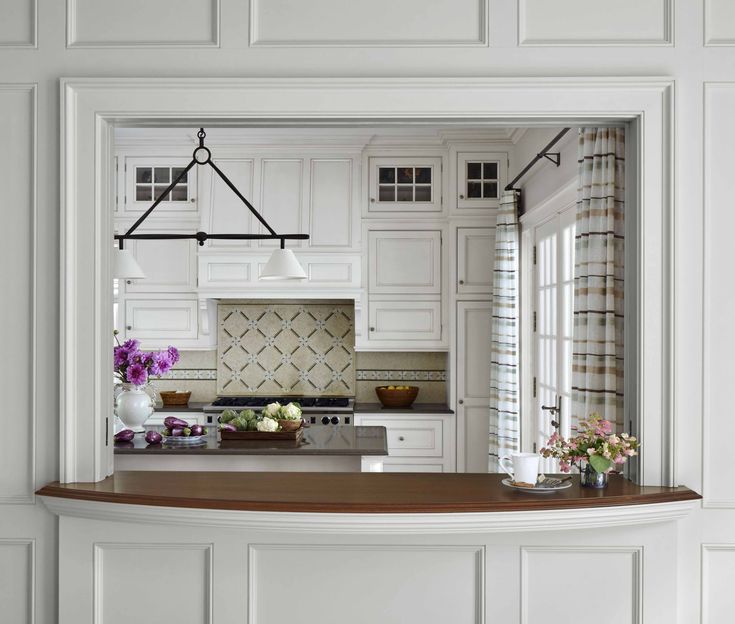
(198, 430)
(126, 435)
(153, 437)
(177, 432)
(172, 422)
(227, 427)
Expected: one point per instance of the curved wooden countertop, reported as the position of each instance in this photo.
(358, 493)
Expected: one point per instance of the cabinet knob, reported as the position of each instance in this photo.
(128, 281)
(192, 200)
(372, 329)
(401, 438)
(461, 401)
(461, 282)
(461, 196)
(128, 327)
(372, 200)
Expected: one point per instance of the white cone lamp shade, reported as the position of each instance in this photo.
(125, 266)
(283, 265)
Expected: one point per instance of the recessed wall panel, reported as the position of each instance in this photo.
(18, 24)
(17, 164)
(428, 584)
(382, 23)
(142, 23)
(595, 22)
(718, 571)
(719, 22)
(17, 580)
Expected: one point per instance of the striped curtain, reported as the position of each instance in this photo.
(504, 390)
(597, 361)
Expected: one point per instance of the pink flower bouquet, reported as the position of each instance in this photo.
(595, 443)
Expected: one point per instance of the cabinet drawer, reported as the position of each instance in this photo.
(161, 319)
(404, 320)
(410, 438)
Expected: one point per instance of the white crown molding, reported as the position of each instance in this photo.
(376, 523)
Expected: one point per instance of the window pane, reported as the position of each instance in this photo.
(162, 174)
(474, 190)
(179, 193)
(490, 171)
(387, 193)
(405, 193)
(142, 193)
(176, 171)
(405, 175)
(158, 189)
(423, 193)
(143, 174)
(474, 170)
(490, 189)
(386, 175)
(423, 175)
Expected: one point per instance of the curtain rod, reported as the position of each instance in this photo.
(544, 153)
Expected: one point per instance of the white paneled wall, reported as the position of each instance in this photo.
(686, 41)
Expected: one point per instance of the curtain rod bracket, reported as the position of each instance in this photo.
(554, 157)
(544, 153)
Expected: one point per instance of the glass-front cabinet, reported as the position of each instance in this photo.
(480, 179)
(405, 185)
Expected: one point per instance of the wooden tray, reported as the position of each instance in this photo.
(262, 435)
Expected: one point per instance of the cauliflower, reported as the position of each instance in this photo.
(268, 424)
(272, 410)
(290, 412)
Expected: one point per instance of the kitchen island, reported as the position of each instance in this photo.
(329, 448)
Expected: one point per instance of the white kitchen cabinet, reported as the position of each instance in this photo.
(475, 258)
(474, 330)
(400, 185)
(281, 199)
(158, 320)
(480, 177)
(334, 218)
(404, 323)
(146, 177)
(404, 261)
(169, 266)
(416, 442)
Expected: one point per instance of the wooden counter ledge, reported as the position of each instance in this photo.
(351, 492)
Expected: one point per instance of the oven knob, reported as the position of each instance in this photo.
(325, 420)
(335, 420)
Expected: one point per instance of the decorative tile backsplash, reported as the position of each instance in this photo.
(272, 349)
(401, 375)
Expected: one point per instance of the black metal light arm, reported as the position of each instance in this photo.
(202, 156)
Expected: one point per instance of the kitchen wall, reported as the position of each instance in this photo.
(689, 42)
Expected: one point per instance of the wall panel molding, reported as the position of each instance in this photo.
(595, 23)
(114, 24)
(440, 582)
(18, 105)
(634, 567)
(18, 589)
(19, 24)
(716, 596)
(379, 23)
(719, 23)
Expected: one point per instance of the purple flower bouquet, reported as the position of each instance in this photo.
(135, 366)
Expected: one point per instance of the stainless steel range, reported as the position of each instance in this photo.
(316, 410)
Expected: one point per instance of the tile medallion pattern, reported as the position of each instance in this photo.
(270, 349)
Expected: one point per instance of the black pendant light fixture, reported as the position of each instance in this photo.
(282, 264)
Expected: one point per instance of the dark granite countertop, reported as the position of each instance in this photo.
(317, 440)
(416, 408)
(192, 406)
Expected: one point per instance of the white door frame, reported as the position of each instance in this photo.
(91, 106)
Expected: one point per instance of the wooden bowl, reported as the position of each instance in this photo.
(173, 398)
(289, 425)
(396, 398)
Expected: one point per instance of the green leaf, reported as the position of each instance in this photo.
(599, 463)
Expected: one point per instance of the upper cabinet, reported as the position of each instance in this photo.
(404, 261)
(480, 177)
(401, 185)
(475, 254)
(145, 178)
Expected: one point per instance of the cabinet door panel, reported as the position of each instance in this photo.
(400, 185)
(404, 261)
(331, 205)
(223, 211)
(405, 320)
(281, 197)
(477, 436)
(412, 438)
(169, 265)
(474, 330)
(147, 177)
(161, 319)
(481, 177)
(475, 254)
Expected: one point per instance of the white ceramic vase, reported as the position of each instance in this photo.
(133, 406)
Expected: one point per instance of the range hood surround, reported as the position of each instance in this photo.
(285, 347)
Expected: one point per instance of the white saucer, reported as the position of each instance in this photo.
(538, 489)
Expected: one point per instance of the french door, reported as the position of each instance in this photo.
(552, 298)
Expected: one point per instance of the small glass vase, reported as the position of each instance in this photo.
(134, 405)
(590, 478)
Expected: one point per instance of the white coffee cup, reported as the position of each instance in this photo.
(524, 467)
